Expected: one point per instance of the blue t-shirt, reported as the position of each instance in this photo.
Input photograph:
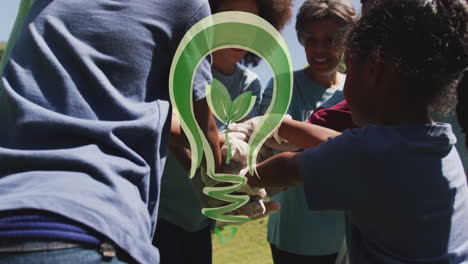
(457, 131)
(296, 228)
(241, 81)
(85, 113)
(404, 189)
(179, 204)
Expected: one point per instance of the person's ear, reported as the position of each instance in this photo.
(374, 68)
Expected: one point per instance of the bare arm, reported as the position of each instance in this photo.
(177, 138)
(182, 155)
(305, 135)
(179, 145)
(207, 123)
(281, 170)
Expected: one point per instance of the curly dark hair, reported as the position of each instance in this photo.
(276, 12)
(462, 106)
(426, 40)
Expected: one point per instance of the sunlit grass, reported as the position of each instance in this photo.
(248, 246)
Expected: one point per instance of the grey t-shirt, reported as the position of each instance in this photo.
(403, 187)
(241, 81)
(85, 112)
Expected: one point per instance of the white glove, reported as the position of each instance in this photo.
(248, 126)
(243, 128)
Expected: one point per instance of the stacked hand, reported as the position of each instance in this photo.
(238, 136)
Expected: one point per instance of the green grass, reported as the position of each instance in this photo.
(249, 245)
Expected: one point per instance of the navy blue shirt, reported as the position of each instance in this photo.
(404, 189)
(85, 113)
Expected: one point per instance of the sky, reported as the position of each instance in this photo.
(9, 10)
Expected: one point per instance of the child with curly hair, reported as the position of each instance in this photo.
(399, 177)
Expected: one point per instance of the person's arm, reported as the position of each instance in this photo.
(177, 139)
(182, 155)
(333, 174)
(305, 135)
(207, 124)
(281, 170)
(178, 142)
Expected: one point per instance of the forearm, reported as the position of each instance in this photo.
(182, 155)
(177, 138)
(207, 124)
(281, 170)
(305, 135)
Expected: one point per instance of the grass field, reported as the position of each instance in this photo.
(249, 245)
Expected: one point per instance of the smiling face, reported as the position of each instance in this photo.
(322, 46)
(233, 56)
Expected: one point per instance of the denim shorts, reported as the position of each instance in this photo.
(49, 252)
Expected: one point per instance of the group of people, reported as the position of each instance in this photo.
(93, 165)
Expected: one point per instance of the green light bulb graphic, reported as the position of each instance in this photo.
(219, 31)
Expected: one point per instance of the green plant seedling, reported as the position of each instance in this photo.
(226, 110)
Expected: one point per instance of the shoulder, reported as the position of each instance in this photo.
(248, 77)
(247, 74)
(302, 82)
(299, 75)
(337, 117)
(188, 8)
(183, 14)
(367, 139)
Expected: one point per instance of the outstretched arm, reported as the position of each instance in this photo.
(281, 170)
(179, 144)
(207, 123)
(177, 138)
(305, 135)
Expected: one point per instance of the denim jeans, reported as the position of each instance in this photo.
(51, 252)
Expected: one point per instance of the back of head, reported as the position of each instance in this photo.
(426, 40)
(315, 10)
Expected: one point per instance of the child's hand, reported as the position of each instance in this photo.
(270, 207)
(256, 208)
(249, 189)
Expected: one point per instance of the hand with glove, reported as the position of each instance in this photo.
(275, 142)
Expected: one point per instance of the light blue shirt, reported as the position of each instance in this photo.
(179, 204)
(295, 228)
(460, 145)
(403, 187)
(241, 81)
(84, 113)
